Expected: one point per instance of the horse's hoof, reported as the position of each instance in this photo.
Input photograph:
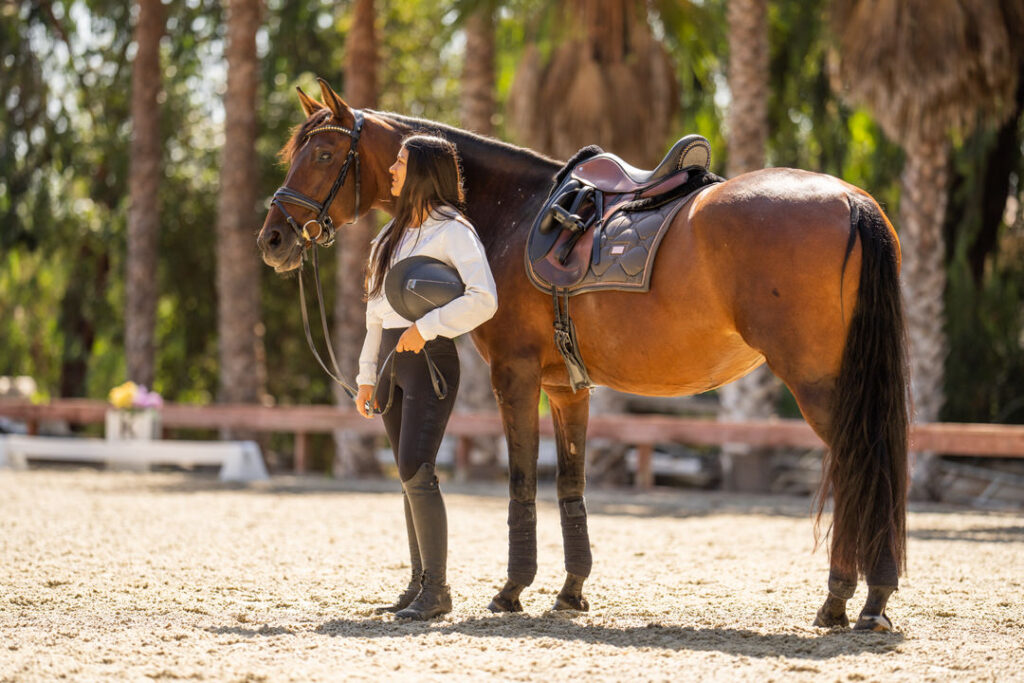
(502, 604)
(877, 623)
(826, 620)
(576, 603)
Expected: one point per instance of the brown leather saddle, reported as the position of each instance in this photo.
(601, 226)
(610, 174)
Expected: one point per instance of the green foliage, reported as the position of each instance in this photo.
(985, 329)
(695, 35)
(810, 127)
(984, 371)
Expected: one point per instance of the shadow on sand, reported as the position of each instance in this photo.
(732, 641)
(976, 534)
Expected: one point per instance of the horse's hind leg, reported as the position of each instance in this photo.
(840, 589)
(570, 411)
(814, 399)
(882, 580)
(517, 390)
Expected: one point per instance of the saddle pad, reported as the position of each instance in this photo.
(621, 252)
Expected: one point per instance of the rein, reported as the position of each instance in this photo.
(325, 238)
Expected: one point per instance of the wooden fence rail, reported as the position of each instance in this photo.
(643, 431)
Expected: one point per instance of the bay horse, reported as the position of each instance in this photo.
(796, 269)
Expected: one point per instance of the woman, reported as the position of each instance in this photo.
(428, 185)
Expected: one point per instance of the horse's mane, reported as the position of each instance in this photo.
(299, 134)
(493, 170)
(583, 154)
(460, 136)
(501, 160)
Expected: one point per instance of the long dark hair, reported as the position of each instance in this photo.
(433, 183)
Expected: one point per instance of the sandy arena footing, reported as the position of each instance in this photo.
(121, 576)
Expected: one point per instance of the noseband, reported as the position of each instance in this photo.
(324, 238)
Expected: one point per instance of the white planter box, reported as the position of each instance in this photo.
(132, 425)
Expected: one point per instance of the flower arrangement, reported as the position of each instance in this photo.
(132, 396)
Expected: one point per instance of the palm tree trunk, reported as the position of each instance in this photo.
(476, 100)
(756, 395)
(354, 454)
(924, 186)
(240, 333)
(144, 193)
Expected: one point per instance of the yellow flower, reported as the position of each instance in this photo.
(122, 396)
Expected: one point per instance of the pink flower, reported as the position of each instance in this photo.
(147, 399)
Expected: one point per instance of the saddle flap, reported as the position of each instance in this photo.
(570, 273)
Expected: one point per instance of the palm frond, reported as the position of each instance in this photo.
(928, 66)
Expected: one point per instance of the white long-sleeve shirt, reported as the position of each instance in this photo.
(455, 242)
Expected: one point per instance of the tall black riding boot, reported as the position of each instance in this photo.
(416, 580)
(431, 523)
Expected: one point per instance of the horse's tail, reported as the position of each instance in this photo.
(866, 469)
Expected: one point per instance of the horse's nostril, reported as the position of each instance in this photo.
(275, 239)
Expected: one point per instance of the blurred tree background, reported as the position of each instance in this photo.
(66, 146)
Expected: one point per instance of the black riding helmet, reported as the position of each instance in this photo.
(419, 284)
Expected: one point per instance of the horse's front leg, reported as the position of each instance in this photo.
(570, 411)
(517, 390)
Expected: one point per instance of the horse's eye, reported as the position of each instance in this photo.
(323, 156)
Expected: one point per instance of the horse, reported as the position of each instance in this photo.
(795, 269)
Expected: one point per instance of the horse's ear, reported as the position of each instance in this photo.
(334, 102)
(309, 105)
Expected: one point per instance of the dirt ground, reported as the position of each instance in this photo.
(120, 576)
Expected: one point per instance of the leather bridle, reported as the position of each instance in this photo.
(325, 236)
(286, 195)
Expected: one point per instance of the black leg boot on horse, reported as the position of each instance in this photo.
(416, 579)
(570, 411)
(431, 523)
(517, 390)
(882, 581)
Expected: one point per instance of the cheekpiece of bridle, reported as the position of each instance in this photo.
(325, 236)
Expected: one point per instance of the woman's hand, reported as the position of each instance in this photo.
(411, 340)
(364, 394)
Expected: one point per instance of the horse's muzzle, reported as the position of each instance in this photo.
(279, 248)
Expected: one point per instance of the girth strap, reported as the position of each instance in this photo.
(566, 342)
